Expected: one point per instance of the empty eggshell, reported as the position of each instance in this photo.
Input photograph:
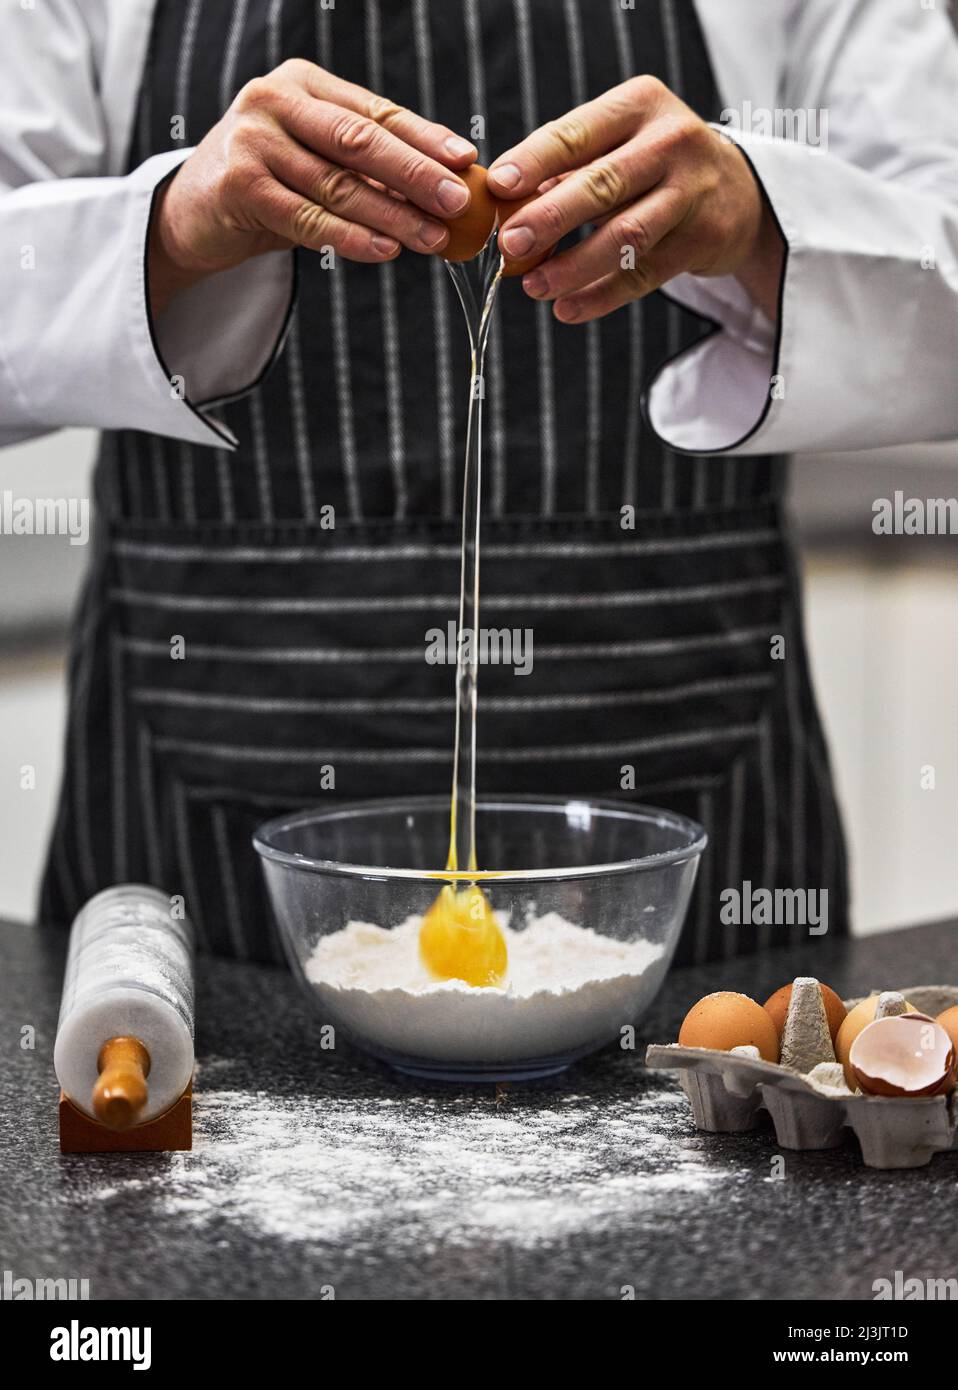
(725, 1020)
(469, 232)
(907, 1055)
(508, 207)
(855, 1020)
(777, 1007)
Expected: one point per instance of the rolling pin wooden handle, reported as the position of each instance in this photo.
(120, 1091)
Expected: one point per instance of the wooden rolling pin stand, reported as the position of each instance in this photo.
(119, 1096)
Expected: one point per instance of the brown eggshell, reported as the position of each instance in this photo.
(907, 1056)
(469, 232)
(508, 207)
(777, 1008)
(725, 1020)
(949, 1021)
(855, 1020)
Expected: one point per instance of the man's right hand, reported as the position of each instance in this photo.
(303, 158)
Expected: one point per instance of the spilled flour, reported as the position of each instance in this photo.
(567, 988)
(417, 1172)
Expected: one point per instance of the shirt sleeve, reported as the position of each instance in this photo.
(77, 342)
(864, 350)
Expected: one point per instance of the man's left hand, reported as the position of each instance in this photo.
(666, 194)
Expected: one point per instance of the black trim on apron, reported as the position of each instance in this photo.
(655, 672)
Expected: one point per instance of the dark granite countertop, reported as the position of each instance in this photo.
(315, 1170)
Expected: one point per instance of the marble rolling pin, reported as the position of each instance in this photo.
(124, 1048)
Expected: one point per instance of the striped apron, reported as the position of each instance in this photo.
(655, 674)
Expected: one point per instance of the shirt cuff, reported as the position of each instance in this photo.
(716, 396)
(219, 338)
(79, 346)
(855, 282)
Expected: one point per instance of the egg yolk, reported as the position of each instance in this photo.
(460, 938)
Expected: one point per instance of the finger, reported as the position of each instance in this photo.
(354, 141)
(629, 236)
(576, 138)
(430, 137)
(352, 198)
(584, 196)
(304, 223)
(548, 184)
(598, 299)
(375, 183)
(623, 286)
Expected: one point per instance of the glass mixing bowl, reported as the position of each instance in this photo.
(621, 872)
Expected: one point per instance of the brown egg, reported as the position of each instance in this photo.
(726, 1020)
(469, 232)
(508, 207)
(855, 1020)
(777, 1007)
(949, 1021)
(910, 1055)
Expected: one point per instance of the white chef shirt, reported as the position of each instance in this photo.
(864, 352)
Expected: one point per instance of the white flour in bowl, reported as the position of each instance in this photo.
(567, 987)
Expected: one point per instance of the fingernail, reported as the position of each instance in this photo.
(432, 233)
(453, 195)
(385, 245)
(506, 175)
(567, 310)
(518, 240)
(535, 283)
(459, 148)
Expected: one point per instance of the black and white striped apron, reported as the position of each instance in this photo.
(304, 646)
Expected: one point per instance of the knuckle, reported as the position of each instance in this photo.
(242, 136)
(571, 134)
(414, 169)
(257, 94)
(352, 134)
(309, 222)
(647, 87)
(294, 69)
(383, 111)
(337, 189)
(605, 186)
(634, 234)
(685, 133)
(549, 219)
(697, 135)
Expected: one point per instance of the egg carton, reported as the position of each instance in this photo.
(811, 1110)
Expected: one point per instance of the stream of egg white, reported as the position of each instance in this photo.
(476, 283)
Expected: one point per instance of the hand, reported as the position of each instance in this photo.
(657, 182)
(302, 158)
